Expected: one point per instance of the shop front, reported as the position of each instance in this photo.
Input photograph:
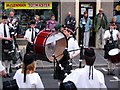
(26, 11)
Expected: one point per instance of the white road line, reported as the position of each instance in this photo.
(116, 79)
(104, 69)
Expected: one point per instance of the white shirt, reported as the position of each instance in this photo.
(80, 77)
(73, 45)
(115, 34)
(32, 80)
(28, 33)
(2, 30)
(2, 68)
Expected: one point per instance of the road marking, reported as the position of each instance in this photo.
(116, 79)
(104, 69)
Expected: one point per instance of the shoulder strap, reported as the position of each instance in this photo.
(112, 38)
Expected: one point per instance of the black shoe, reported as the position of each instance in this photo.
(8, 75)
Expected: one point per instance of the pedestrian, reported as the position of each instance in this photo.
(87, 77)
(2, 73)
(100, 24)
(26, 77)
(111, 38)
(30, 35)
(7, 44)
(70, 21)
(87, 24)
(51, 23)
(66, 62)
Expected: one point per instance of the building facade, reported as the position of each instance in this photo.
(77, 7)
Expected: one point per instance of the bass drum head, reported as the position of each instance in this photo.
(113, 52)
(55, 44)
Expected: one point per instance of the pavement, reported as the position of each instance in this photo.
(100, 61)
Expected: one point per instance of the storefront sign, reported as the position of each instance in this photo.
(28, 5)
(117, 7)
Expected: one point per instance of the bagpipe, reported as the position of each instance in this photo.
(13, 49)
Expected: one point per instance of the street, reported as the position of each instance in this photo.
(46, 70)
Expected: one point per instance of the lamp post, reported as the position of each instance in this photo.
(82, 47)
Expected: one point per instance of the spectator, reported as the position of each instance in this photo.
(27, 77)
(87, 77)
(37, 22)
(86, 32)
(70, 21)
(51, 23)
(100, 24)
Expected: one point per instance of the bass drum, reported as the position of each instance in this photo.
(48, 43)
(114, 55)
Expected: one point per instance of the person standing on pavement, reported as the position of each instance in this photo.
(69, 53)
(100, 24)
(27, 77)
(70, 21)
(30, 35)
(37, 22)
(111, 38)
(51, 23)
(87, 77)
(86, 32)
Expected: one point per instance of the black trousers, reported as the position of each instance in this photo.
(29, 48)
(6, 48)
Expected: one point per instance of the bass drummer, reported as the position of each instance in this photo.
(111, 38)
(30, 35)
(66, 62)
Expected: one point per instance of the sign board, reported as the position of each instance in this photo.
(117, 7)
(28, 5)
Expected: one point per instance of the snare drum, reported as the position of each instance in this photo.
(48, 43)
(114, 55)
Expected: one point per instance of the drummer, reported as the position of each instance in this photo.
(66, 61)
(30, 35)
(111, 38)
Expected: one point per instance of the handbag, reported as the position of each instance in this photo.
(10, 85)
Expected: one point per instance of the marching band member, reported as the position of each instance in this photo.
(13, 23)
(26, 77)
(111, 38)
(2, 73)
(72, 51)
(30, 35)
(6, 44)
(87, 77)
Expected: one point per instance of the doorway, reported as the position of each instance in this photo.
(90, 7)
